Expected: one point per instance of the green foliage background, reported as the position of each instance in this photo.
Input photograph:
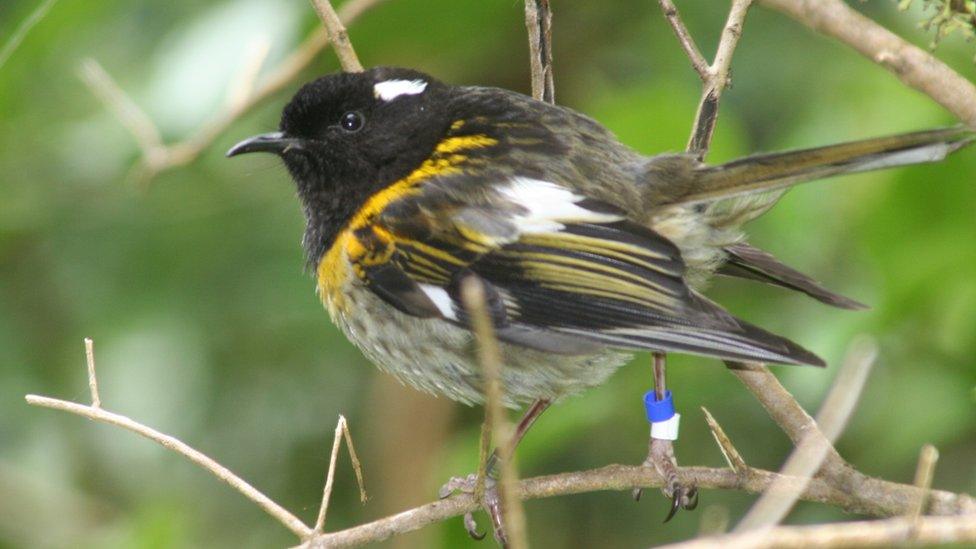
(207, 328)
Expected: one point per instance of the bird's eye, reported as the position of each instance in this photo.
(352, 121)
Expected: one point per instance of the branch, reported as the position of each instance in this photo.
(715, 77)
(92, 379)
(694, 54)
(243, 101)
(538, 23)
(341, 430)
(912, 65)
(867, 533)
(923, 477)
(97, 413)
(135, 120)
(338, 36)
(610, 477)
(282, 515)
(25, 27)
(729, 452)
(880, 497)
(806, 459)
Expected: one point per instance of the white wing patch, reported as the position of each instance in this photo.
(391, 89)
(441, 300)
(549, 205)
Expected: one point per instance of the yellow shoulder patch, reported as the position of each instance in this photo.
(333, 273)
(349, 254)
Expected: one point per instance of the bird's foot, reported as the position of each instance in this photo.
(660, 455)
(490, 501)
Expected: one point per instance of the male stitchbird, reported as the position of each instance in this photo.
(587, 250)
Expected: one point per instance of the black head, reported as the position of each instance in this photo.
(347, 135)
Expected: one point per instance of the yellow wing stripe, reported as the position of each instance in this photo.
(425, 274)
(541, 258)
(548, 274)
(463, 143)
(438, 253)
(592, 243)
(609, 248)
(421, 261)
(588, 290)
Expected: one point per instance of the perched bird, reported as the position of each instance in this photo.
(587, 250)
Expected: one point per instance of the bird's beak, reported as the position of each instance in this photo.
(274, 142)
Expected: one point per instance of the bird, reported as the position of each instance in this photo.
(587, 251)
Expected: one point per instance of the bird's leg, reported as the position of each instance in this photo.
(492, 502)
(660, 452)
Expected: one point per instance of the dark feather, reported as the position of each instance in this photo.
(395, 287)
(746, 261)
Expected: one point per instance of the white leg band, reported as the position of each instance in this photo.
(666, 430)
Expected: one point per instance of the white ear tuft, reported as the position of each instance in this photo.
(391, 89)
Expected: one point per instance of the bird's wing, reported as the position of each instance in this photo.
(562, 272)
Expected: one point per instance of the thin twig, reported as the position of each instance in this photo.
(282, 515)
(513, 516)
(806, 459)
(357, 467)
(731, 454)
(329, 477)
(718, 79)
(538, 23)
(95, 412)
(484, 451)
(341, 430)
(688, 44)
(124, 108)
(23, 28)
(912, 65)
(731, 33)
(338, 36)
(92, 379)
(185, 151)
(927, 459)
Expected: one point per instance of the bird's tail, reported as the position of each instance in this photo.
(768, 172)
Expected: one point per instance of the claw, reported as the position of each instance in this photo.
(472, 527)
(675, 504)
(692, 502)
(682, 498)
(636, 493)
